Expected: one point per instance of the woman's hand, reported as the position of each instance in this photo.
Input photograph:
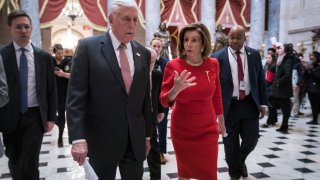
(181, 82)
(222, 127)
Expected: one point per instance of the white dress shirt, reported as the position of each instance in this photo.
(32, 91)
(234, 70)
(128, 50)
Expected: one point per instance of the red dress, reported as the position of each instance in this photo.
(194, 129)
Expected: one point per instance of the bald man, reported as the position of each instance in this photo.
(244, 99)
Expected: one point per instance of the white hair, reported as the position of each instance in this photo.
(119, 3)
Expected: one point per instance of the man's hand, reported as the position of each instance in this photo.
(160, 117)
(263, 111)
(50, 125)
(79, 152)
(148, 146)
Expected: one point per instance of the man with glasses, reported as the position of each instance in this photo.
(31, 110)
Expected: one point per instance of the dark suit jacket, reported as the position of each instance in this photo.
(155, 93)
(45, 87)
(162, 62)
(256, 77)
(98, 107)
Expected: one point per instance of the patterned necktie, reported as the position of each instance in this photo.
(23, 82)
(242, 93)
(125, 68)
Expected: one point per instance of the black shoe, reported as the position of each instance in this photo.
(234, 178)
(300, 113)
(283, 130)
(244, 171)
(60, 143)
(312, 122)
(266, 125)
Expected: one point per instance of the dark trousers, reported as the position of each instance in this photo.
(314, 99)
(162, 130)
(61, 120)
(285, 106)
(242, 120)
(272, 118)
(153, 158)
(130, 168)
(23, 146)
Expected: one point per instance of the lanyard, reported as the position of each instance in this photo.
(245, 60)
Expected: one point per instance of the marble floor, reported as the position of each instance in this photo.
(278, 156)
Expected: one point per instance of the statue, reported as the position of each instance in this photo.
(164, 34)
(221, 39)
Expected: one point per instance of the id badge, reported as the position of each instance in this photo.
(242, 85)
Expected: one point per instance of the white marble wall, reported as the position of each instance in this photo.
(297, 19)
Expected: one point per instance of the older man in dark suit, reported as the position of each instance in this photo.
(244, 98)
(108, 101)
(32, 98)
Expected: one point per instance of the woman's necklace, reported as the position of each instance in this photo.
(194, 64)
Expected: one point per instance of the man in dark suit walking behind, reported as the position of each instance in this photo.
(108, 101)
(244, 98)
(32, 106)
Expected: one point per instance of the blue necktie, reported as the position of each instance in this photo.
(23, 82)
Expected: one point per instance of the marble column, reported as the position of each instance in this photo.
(208, 16)
(257, 23)
(273, 21)
(31, 7)
(152, 19)
(109, 3)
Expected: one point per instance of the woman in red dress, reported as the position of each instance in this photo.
(191, 85)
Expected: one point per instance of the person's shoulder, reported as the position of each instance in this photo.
(94, 38)
(139, 46)
(251, 50)
(41, 51)
(6, 47)
(219, 52)
(212, 60)
(164, 60)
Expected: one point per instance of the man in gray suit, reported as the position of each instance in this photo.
(32, 104)
(3, 96)
(3, 86)
(108, 101)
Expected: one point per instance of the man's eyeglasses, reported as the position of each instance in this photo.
(21, 27)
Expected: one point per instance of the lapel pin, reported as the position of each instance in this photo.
(248, 53)
(138, 54)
